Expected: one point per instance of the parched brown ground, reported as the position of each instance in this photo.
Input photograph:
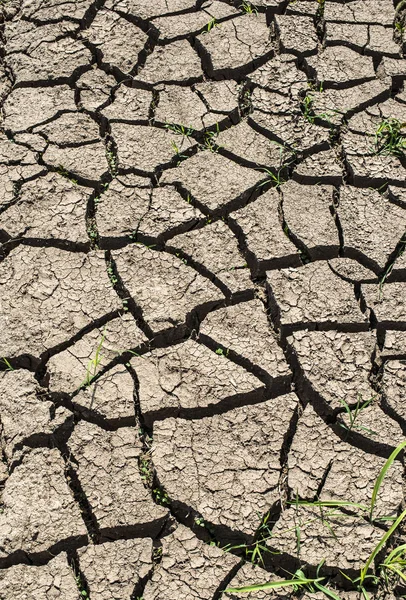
(201, 262)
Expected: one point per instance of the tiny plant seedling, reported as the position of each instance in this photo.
(211, 25)
(354, 414)
(93, 364)
(248, 8)
(274, 178)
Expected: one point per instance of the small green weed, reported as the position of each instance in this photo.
(399, 26)
(177, 151)
(92, 231)
(248, 8)
(146, 468)
(390, 139)
(209, 139)
(62, 171)
(161, 497)
(83, 593)
(307, 107)
(112, 162)
(112, 275)
(179, 129)
(222, 352)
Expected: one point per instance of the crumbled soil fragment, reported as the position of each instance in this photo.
(318, 453)
(54, 580)
(307, 211)
(235, 43)
(371, 224)
(304, 296)
(215, 247)
(118, 40)
(262, 228)
(24, 413)
(49, 207)
(189, 376)
(163, 286)
(177, 62)
(27, 107)
(63, 292)
(107, 467)
(143, 211)
(146, 147)
(38, 507)
(336, 365)
(229, 484)
(244, 329)
(189, 568)
(325, 536)
(394, 389)
(83, 360)
(213, 179)
(387, 302)
(114, 569)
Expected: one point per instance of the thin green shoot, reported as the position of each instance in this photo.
(323, 588)
(7, 363)
(399, 27)
(308, 111)
(382, 474)
(93, 364)
(176, 149)
(283, 583)
(330, 503)
(211, 25)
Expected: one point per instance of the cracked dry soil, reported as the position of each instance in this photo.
(201, 269)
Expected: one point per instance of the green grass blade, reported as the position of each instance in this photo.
(273, 585)
(331, 503)
(395, 552)
(398, 572)
(326, 591)
(382, 474)
(380, 545)
(7, 363)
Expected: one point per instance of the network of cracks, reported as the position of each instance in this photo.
(203, 308)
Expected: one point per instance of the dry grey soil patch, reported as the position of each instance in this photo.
(202, 306)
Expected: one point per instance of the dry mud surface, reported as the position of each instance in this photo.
(201, 266)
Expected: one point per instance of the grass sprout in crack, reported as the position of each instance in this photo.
(249, 8)
(93, 364)
(390, 138)
(211, 25)
(354, 414)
